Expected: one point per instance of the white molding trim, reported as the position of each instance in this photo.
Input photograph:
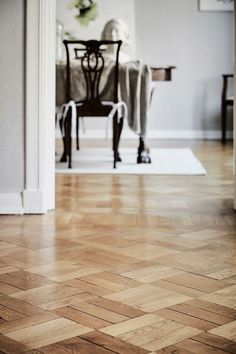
(33, 201)
(40, 106)
(234, 158)
(11, 203)
(154, 134)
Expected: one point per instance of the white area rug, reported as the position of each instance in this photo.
(164, 162)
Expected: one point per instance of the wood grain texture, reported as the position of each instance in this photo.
(81, 317)
(200, 348)
(112, 343)
(75, 345)
(126, 264)
(49, 332)
(216, 342)
(227, 331)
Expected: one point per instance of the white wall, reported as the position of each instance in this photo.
(200, 44)
(11, 96)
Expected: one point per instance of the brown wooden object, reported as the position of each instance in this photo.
(225, 102)
(162, 73)
(91, 56)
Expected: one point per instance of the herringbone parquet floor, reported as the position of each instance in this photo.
(126, 264)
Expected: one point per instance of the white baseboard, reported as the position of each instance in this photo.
(188, 134)
(28, 202)
(155, 134)
(33, 202)
(11, 203)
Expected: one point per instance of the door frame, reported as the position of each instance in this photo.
(39, 193)
(234, 129)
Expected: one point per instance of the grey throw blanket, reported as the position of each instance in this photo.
(135, 79)
(134, 90)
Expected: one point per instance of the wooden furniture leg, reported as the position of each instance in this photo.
(120, 128)
(115, 139)
(68, 139)
(143, 152)
(63, 156)
(226, 101)
(223, 123)
(77, 133)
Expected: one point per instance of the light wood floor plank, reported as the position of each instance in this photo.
(126, 264)
(47, 333)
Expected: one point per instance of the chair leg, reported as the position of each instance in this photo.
(121, 122)
(223, 122)
(120, 128)
(77, 133)
(117, 130)
(115, 140)
(68, 139)
(70, 152)
(64, 155)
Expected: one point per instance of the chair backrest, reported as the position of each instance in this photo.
(91, 59)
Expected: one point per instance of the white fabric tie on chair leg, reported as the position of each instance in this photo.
(65, 109)
(59, 114)
(120, 108)
(73, 105)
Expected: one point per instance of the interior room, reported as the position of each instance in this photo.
(117, 186)
(186, 105)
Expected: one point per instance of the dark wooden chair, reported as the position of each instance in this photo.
(91, 57)
(226, 101)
